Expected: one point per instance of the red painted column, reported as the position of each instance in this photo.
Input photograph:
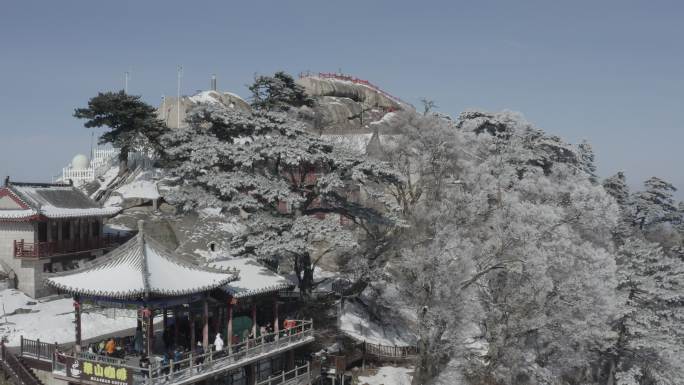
(205, 325)
(276, 320)
(254, 325)
(229, 326)
(192, 329)
(175, 325)
(77, 313)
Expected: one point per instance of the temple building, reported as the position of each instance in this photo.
(196, 323)
(46, 228)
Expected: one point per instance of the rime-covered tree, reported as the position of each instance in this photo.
(655, 204)
(587, 158)
(649, 348)
(264, 166)
(278, 93)
(132, 123)
(616, 186)
(507, 233)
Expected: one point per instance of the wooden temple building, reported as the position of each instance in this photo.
(48, 227)
(196, 323)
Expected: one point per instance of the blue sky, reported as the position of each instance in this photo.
(608, 71)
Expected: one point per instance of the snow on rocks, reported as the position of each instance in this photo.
(355, 322)
(143, 187)
(388, 375)
(52, 320)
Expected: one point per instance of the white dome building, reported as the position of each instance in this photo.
(80, 162)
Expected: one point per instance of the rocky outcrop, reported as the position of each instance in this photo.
(344, 107)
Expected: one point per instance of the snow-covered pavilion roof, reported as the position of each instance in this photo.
(142, 267)
(51, 200)
(254, 278)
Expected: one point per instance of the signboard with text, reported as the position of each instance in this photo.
(98, 372)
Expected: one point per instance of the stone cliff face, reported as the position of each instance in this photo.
(346, 107)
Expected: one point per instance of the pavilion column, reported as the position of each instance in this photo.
(77, 313)
(72, 234)
(148, 322)
(254, 325)
(60, 237)
(152, 327)
(191, 317)
(175, 326)
(229, 326)
(276, 321)
(205, 325)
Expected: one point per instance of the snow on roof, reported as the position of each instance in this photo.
(54, 201)
(141, 267)
(17, 214)
(254, 278)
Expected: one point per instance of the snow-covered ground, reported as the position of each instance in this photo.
(388, 375)
(53, 320)
(355, 322)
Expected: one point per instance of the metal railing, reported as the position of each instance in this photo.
(15, 369)
(23, 249)
(294, 376)
(37, 349)
(193, 364)
(383, 351)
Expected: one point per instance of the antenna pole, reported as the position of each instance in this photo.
(180, 74)
(126, 82)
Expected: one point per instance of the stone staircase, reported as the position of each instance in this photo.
(16, 370)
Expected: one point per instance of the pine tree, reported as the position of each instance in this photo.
(655, 204)
(649, 347)
(132, 122)
(278, 93)
(264, 166)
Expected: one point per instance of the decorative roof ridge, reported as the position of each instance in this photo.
(39, 184)
(145, 266)
(98, 262)
(14, 194)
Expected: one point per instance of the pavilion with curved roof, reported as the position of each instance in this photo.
(143, 273)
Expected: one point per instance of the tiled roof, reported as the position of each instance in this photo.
(254, 278)
(53, 201)
(141, 268)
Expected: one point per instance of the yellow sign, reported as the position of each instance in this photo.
(99, 372)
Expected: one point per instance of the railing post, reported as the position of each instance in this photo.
(38, 347)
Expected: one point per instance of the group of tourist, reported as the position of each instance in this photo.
(111, 347)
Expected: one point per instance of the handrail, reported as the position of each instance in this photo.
(23, 249)
(191, 362)
(36, 349)
(233, 353)
(295, 374)
(15, 369)
(385, 351)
